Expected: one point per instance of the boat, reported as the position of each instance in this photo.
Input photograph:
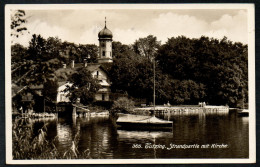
(142, 122)
(243, 112)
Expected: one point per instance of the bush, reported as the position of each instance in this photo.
(123, 104)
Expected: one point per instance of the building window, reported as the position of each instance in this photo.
(104, 53)
(103, 44)
(97, 73)
(103, 97)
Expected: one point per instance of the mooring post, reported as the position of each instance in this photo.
(74, 112)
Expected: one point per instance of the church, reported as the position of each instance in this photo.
(97, 70)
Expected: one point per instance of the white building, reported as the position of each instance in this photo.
(104, 57)
(99, 73)
(62, 96)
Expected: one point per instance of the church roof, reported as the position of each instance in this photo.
(105, 33)
(94, 66)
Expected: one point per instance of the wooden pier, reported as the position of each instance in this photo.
(83, 111)
(187, 110)
(76, 110)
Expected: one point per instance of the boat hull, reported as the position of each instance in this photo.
(143, 126)
(141, 122)
(243, 113)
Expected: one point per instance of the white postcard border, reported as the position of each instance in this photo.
(251, 65)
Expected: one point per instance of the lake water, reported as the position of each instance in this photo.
(200, 132)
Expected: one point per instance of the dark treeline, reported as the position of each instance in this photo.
(188, 71)
(38, 64)
(45, 56)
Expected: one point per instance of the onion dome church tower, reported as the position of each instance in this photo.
(105, 45)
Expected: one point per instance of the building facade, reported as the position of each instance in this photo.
(97, 71)
(62, 96)
(100, 74)
(105, 38)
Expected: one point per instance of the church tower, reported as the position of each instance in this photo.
(105, 45)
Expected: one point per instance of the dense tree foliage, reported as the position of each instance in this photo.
(123, 105)
(40, 62)
(37, 63)
(18, 53)
(84, 86)
(88, 53)
(133, 74)
(120, 50)
(147, 47)
(18, 20)
(188, 71)
(218, 68)
(50, 90)
(187, 92)
(79, 53)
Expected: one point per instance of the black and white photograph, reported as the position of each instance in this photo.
(130, 83)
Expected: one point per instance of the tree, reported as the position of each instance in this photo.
(123, 73)
(84, 86)
(88, 52)
(176, 58)
(37, 48)
(18, 20)
(147, 46)
(187, 92)
(216, 67)
(53, 46)
(18, 53)
(39, 63)
(69, 52)
(133, 74)
(50, 90)
(123, 104)
(121, 50)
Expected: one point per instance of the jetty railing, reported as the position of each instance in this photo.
(185, 109)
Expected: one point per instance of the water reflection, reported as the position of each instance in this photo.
(64, 134)
(143, 140)
(133, 136)
(245, 120)
(101, 137)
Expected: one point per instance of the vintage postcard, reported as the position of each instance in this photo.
(130, 83)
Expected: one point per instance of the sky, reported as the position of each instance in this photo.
(127, 25)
